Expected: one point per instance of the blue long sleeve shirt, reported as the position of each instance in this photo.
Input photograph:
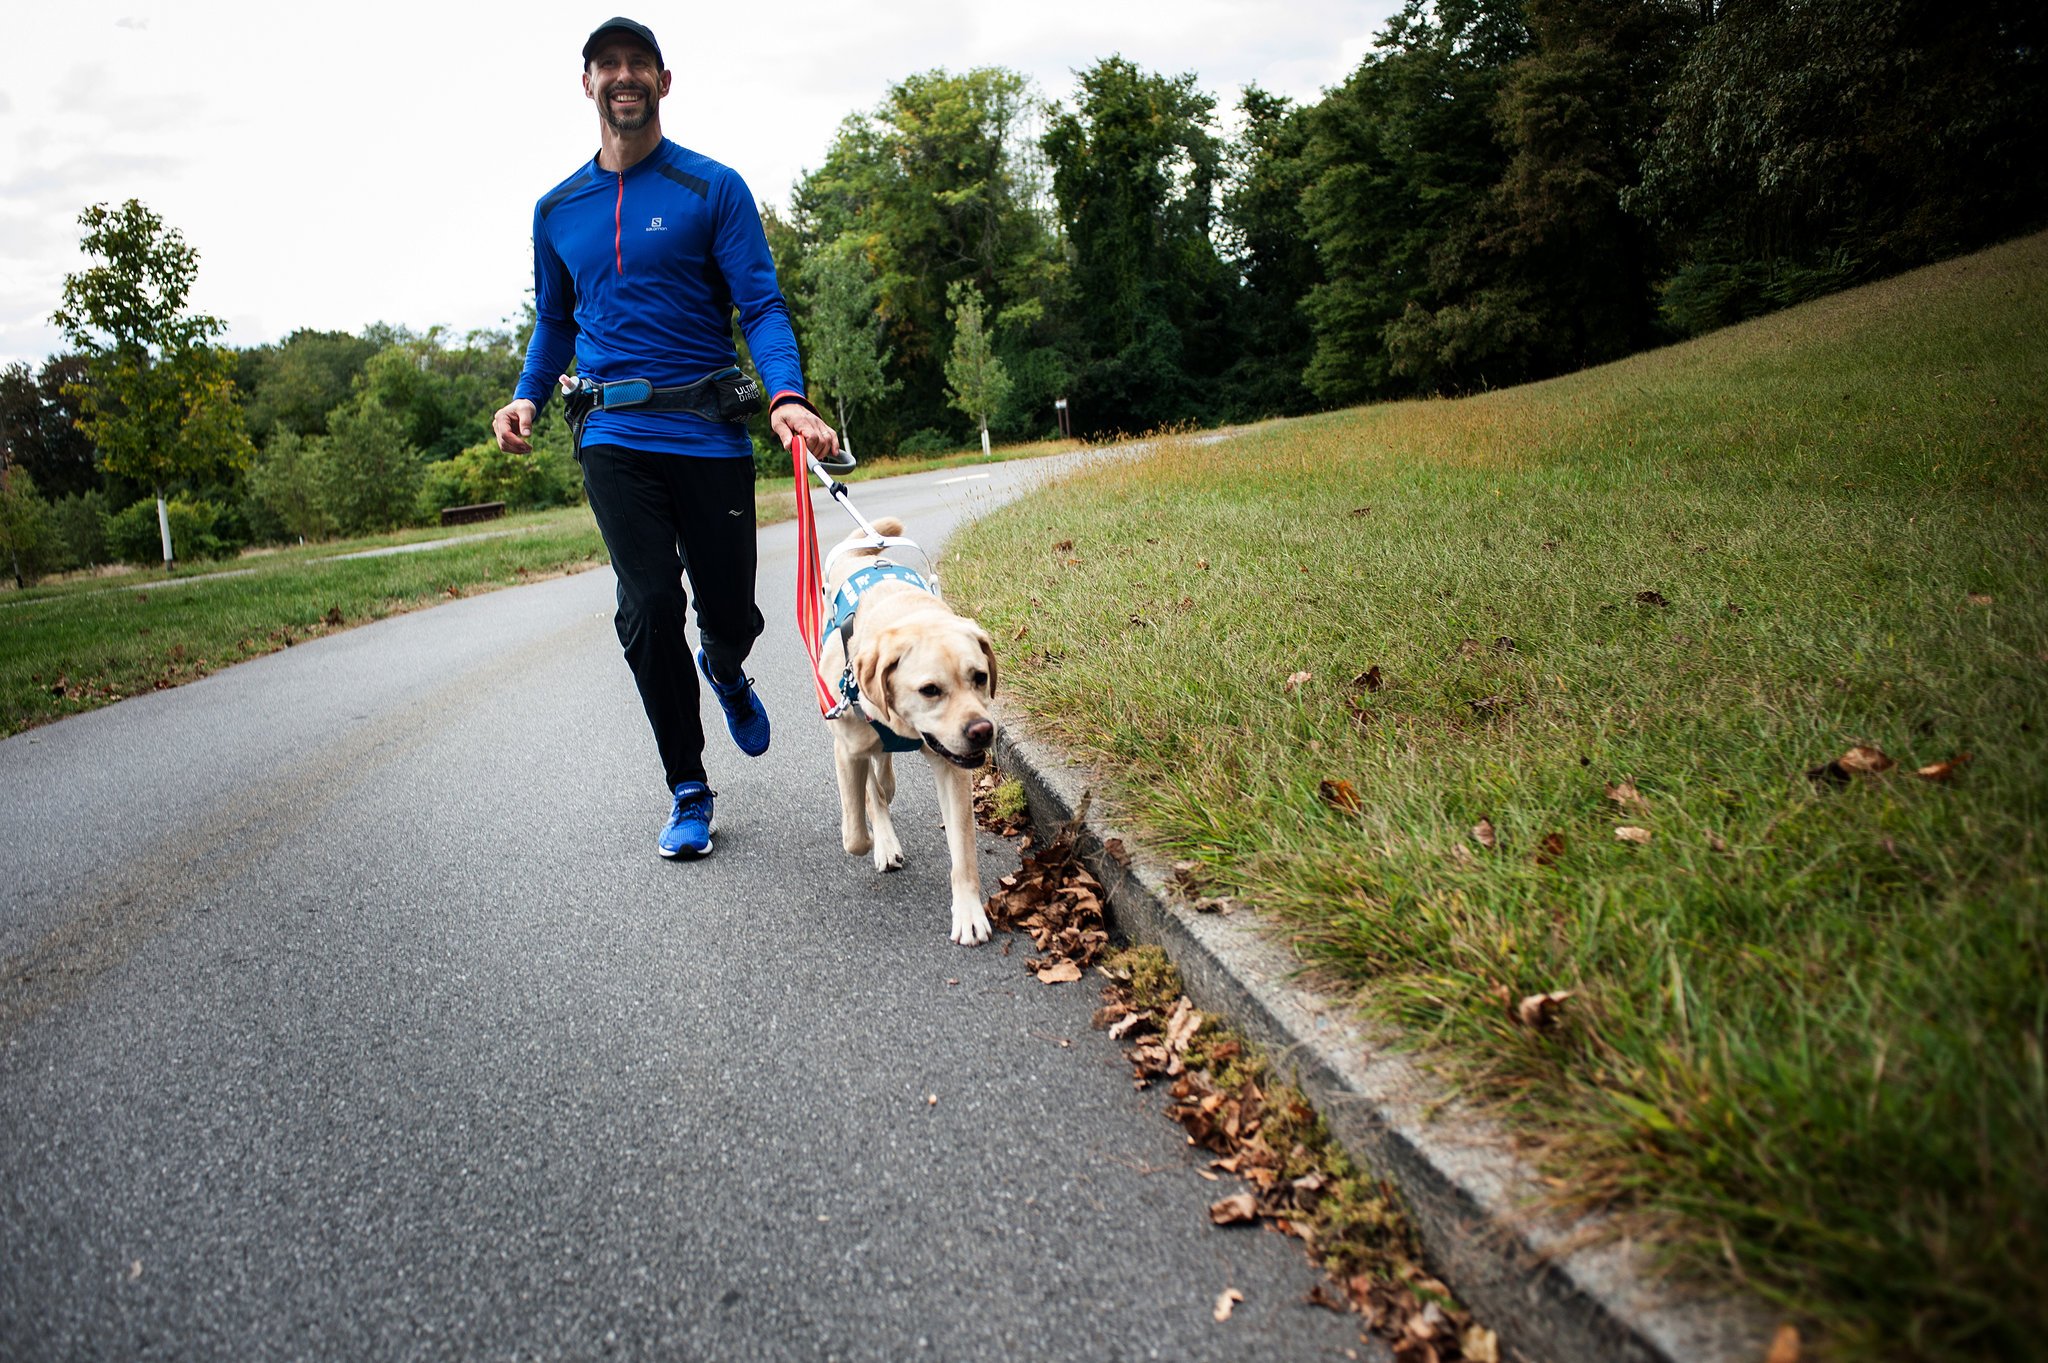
(637, 274)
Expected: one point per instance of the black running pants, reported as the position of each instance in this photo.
(664, 517)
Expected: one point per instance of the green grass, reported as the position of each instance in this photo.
(1806, 1041)
(89, 641)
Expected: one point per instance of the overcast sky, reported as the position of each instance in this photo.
(338, 164)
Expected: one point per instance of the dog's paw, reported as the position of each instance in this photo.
(970, 924)
(856, 844)
(888, 853)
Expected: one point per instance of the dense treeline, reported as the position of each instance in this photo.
(1501, 191)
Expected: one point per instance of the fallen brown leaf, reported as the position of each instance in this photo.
(1625, 794)
(1294, 682)
(1369, 680)
(1480, 1344)
(1630, 833)
(1978, 598)
(1784, 1345)
(1462, 854)
(1321, 1295)
(1945, 771)
(1182, 1025)
(1225, 1300)
(1651, 599)
(1717, 842)
(1339, 794)
(1550, 849)
(1482, 833)
(1865, 761)
(1361, 511)
(1540, 1012)
(1060, 972)
(1488, 705)
(1232, 1210)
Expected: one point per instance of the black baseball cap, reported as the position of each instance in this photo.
(631, 30)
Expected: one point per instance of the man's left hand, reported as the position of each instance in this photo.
(792, 420)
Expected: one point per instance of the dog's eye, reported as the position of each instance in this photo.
(981, 681)
(931, 690)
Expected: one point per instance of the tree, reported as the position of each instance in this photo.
(843, 328)
(294, 384)
(975, 378)
(1268, 244)
(939, 183)
(370, 471)
(27, 531)
(285, 487)
(1401, 158)
(39, 425)
(1802, 147)
(1135, 171)
(159, 399)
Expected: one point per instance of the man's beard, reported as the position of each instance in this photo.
(633, 120)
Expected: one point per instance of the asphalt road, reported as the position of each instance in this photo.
(347, 1012)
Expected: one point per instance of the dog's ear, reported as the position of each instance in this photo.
(988, 653)
(873, 662)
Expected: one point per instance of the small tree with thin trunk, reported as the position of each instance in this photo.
(159, 397)
(845, 331)
(975, 378)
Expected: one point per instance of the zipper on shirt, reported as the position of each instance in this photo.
(618, 207)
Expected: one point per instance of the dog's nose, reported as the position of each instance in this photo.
(980, 733)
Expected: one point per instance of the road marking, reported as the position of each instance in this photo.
(963, 478)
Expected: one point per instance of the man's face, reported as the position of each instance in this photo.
(627, 83)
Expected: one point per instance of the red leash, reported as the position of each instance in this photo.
(810, 577)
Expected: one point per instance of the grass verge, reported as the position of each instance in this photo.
(1399, 676)
(80, 644)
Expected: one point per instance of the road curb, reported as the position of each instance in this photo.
(1555, 1293)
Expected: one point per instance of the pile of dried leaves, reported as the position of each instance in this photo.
(1052, 897)
(1299, 1182)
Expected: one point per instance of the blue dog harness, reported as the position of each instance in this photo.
(844, 604)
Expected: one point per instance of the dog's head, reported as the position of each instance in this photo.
(931, 673)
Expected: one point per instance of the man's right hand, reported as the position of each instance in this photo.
(513, 425)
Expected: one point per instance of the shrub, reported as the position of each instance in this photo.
(81, 519)
(770, 459)
(285, 497)
(927, 441)
(29, 543)
(547, 476)
(198, 530)
(369, 471)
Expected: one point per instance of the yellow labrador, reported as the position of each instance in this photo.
(927, 676)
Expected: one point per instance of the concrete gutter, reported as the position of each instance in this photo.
(1556, 1292)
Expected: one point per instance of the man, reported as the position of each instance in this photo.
(639, 261)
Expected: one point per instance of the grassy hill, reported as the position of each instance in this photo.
(1561, 688)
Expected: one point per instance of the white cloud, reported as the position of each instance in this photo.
(338, 165)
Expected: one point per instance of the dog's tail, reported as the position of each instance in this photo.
(884, 525)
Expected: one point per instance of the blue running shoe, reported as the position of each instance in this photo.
(744, 717)
(690, 824)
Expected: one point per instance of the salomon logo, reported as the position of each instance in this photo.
(654, 225)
